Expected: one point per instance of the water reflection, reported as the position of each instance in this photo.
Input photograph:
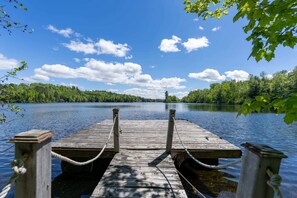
(212, 107)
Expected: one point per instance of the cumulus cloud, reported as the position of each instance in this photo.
(216, 28)
(146, 93)
(100, 47)
(169, 45)
(237, 75)
(7, 63)
(209, 75)
(64, 32)
(201, 28)
(180, 94)
(195, 43)
(107, 72)
(78, 46)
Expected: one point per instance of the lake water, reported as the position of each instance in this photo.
(66, 118)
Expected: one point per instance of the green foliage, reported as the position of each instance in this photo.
(5, 91)
(258, 94)
(270, 23)
(6, 20)
(44, 93)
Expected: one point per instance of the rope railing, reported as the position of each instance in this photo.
(274, 182)
(199, 162)
(71, 161)
(17, 166)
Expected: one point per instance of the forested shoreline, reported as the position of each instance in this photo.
(46, 93)
(280, 84)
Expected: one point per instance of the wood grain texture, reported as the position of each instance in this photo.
(140, 174)
(148, 135)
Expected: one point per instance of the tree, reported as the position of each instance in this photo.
(6, 20)
(166, 96)
(270, 23)
(5, 93)
(8, 23)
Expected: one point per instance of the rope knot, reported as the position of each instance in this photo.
(18, 165)
(274, 182)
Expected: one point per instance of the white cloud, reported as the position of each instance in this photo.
(64, 32)
(69, 84)
(100, 47)
(77, 60)
(169, 45)
(195, 43)
(7, 63)
(201, 28)
(237, 75)
(113, 90)
(196, 19)
(146, 93)
(77, 46)
(107, 72)
(269, 76)
(108, 47)
(209, 75)
(216, 28)
(180, 94)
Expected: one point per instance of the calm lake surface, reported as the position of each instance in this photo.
(66, 118)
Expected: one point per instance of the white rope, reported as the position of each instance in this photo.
(66, 159)
(19, 169)
(274, 182)
(199, 162)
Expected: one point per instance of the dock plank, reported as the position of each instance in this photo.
(140, 174)
(149, 134)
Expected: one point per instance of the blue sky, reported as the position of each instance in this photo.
(135, 47)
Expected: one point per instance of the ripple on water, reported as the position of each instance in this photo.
(66, 118)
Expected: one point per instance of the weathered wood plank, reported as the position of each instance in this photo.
(150, 134)
(140, 174)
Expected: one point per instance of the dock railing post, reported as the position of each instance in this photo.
(116, 140)
(36, 182)
(253, 175)
(170, 130)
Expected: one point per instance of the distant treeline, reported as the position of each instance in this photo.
(281, 84)
(43, 93)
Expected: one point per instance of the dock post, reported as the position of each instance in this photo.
(36, 182)
(116, 130)
(170, 130)
(253, 176)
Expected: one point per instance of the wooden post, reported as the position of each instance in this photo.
(116, 140)
(253, 177)
(36, 182)
(170, 130)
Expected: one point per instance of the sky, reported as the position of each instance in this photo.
(133, 47)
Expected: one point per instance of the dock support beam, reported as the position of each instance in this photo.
(116, 140)
(253, 177)
(36, 182)
(170, 130)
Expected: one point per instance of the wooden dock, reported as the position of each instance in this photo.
(142, 168)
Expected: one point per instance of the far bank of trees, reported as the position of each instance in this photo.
(282, 84)
(44, 93)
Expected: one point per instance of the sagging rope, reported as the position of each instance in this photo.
(66, 159)
(199, 162)
(274, 182)
(17, 166)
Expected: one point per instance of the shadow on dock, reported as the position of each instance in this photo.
(79, 181)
